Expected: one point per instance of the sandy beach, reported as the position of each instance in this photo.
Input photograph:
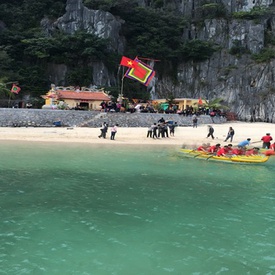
(188, 136)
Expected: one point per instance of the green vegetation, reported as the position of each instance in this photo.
(269, 38)
(4, 90)
(238, 49)
(217, 103)
(254, 14)
(213, 10)
(265, 55)
(197, 50)
(229, 69)
(75, 50)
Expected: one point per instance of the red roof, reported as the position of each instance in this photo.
(82, 95)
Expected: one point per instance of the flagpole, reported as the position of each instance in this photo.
(118, 80)
(10, 93)
(122, 83)
(9, 100)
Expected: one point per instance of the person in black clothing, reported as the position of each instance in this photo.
(149, 131)
(161, 120)
(230, 134)
(103, 129)
(154, 128)
(165, 130)
(195, 121)
(172, 128)
(210, 132)
(160, 130)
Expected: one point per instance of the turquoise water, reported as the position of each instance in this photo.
(82, 209)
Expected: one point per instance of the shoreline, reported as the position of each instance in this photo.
(187, 136)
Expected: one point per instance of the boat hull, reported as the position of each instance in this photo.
(232, 159)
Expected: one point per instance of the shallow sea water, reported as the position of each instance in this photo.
(127, 210)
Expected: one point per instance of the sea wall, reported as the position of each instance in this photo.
(10, 117)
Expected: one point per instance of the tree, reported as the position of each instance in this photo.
(4, 90)
(197, 50)
(170, 100)
(215, 104)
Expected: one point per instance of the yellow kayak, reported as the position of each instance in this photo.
(232, 159)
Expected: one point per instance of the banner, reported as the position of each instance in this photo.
(141, 72)
(15, 89)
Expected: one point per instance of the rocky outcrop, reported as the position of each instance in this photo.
(97, 22)
(246, 86)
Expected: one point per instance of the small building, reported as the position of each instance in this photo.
(75, 98)
(184, 103)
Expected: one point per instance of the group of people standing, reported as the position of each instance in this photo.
(162, 129)
(104, 130)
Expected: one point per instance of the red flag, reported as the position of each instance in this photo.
(127, 62)
(200, 102)
(15, 89)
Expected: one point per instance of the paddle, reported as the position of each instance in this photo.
(202, 153)
(210, 157)
(255, 142)
(194, 150)
(197, 155)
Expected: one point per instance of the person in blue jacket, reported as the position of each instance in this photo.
(244, 143)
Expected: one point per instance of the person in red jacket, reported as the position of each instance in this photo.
(223, 151)
(253, 151)
(271, 150)
(266, 140)
(204, 147)
(213, 149)
(230, 148)
(237, 151)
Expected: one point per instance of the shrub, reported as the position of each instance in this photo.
(255, 13)
(237, 48)
(213, 10)
(197, 50)
(264, 56)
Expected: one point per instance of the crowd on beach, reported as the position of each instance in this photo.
(150, 107)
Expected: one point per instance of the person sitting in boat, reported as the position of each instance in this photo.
(253, 151)
(237, 151)
(271, 150)
(223, 152)
(245, 142)
(214, 148)
(203, 148)
(230, 148)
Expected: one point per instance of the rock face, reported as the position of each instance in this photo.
(245, 85)
(100, 23)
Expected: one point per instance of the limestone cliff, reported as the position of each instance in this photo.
(245, 85)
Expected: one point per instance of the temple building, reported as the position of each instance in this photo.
(74, 98)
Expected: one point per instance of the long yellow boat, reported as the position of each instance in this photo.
(231, 159)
